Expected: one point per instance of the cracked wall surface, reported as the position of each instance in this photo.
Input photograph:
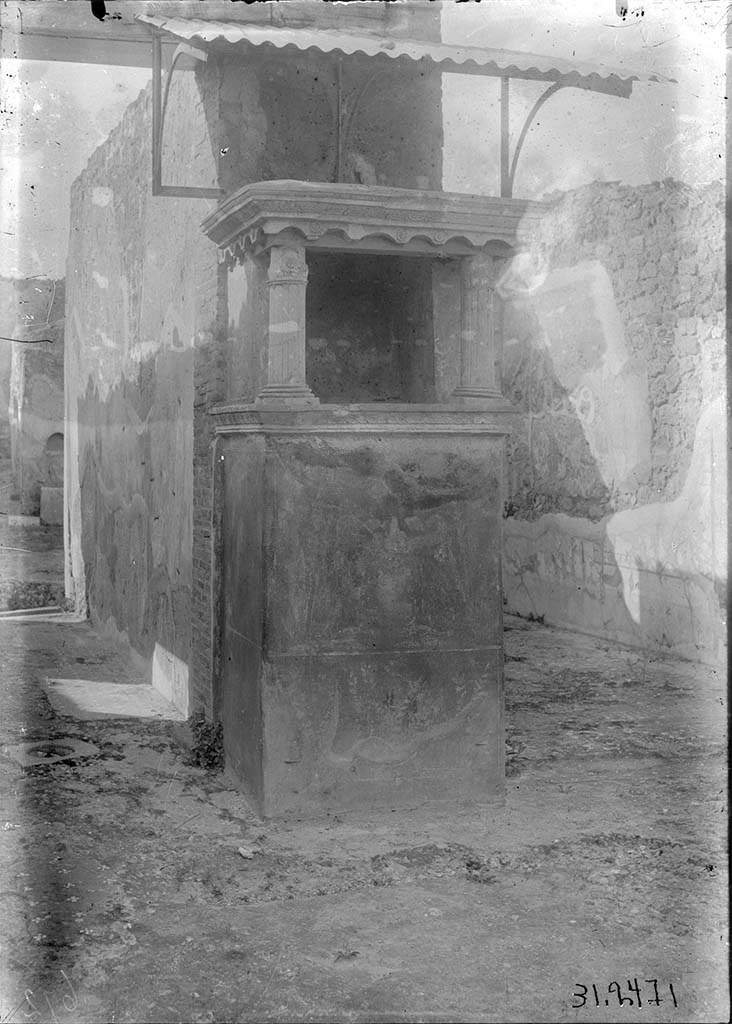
(613, 353)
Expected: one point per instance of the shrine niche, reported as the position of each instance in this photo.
(359, 462)
(351, 278)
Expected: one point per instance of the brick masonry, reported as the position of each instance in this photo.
(613, 351)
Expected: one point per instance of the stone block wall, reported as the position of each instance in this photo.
(614, 354)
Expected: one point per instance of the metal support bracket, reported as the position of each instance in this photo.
(159, 107)
(508, 174)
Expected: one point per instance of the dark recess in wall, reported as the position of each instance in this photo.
(369, 328)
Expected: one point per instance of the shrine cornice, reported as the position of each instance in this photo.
(490, 417)
(367, 218)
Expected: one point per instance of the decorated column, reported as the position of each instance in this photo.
(287, 280)
(478, 330)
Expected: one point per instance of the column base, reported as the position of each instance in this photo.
(286, 396)
(467, 395)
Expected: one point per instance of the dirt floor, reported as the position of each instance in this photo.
(31, 557)
(31, 565)
(125, 896)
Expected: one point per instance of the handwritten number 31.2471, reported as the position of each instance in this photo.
(613, 988)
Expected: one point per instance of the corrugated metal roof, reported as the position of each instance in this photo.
(459, 59)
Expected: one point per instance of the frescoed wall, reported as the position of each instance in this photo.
(614, 355)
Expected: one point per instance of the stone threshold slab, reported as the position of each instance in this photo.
(87, 699)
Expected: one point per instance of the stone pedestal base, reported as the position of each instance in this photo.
(280, 396)
(361, 637)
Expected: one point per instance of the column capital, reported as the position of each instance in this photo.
(287, 277)
(482, 271)
(287, 265)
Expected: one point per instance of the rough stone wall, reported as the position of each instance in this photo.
(140, 310)
(614, 355)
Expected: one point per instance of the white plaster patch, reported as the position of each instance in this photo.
(170, 679)
(100, 280)
(286, 327)
(138, 352)
(74, 571)
(582, 328)
(101, 196)
(685, 537)
(238, 291)
(564, 302)
(630, 575)
(21, 520)
(526, 272)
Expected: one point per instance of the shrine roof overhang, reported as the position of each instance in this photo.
(200, 40)
(343, 216)
(466, 60)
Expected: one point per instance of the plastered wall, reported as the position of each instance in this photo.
(613, 351)
(135, 316)
(33, 410)
(152, 336)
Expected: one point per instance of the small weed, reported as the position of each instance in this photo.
(529, 617)
(637, 670)
(346, 953)
(208, 744)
